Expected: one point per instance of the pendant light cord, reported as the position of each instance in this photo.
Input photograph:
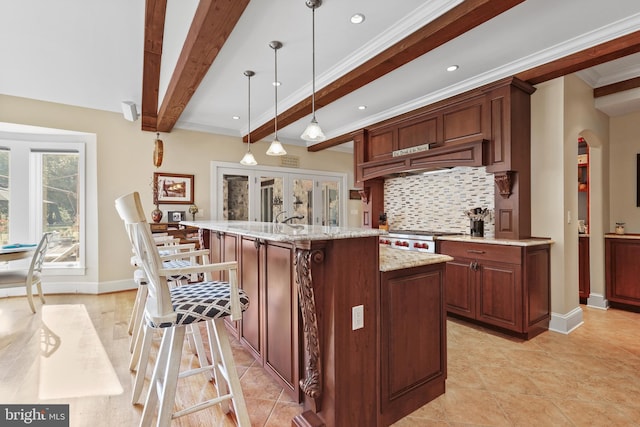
(248, 112)
(313, 61)
(275, 84)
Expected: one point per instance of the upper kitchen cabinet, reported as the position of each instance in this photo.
(489, 126)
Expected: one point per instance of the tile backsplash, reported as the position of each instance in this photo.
(438, 201)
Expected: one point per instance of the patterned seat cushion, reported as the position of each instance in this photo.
(198, 302)
(177, 263)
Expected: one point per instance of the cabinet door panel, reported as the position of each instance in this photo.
(623, 270)
(250, 282)
(459, 288)
(500, 297)
(281, 314)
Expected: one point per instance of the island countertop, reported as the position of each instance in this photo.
(279, 232)
(397, 259)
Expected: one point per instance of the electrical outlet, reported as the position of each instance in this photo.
(357, 317)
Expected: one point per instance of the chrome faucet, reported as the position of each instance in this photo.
(286, 220)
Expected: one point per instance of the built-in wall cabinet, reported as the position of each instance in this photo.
(267, 194)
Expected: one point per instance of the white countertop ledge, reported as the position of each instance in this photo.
(622, 236)
(284, 232)
(398, 259)
(491, 241)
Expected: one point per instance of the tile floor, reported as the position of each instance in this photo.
(590, 377)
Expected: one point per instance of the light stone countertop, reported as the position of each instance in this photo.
(507, 242)
(284, 232)
(622, 236)
(397, 259)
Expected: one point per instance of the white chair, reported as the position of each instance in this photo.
(28, 278)
(171, 310)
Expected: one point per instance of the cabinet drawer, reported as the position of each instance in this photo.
(482, 251)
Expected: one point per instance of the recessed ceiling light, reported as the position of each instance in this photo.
(236, 117)
(452, 67)
(362, 107)
(358, 18)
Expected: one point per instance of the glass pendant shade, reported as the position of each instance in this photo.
(313, 132)
(248, 159)
(276, 149)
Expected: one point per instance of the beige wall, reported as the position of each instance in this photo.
(582, 119)
(124, 164)
(625, 145)
(562, 110)
(548, 204)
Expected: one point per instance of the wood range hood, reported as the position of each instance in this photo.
(437, 157)
(489, 126)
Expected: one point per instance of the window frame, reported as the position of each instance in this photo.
(23, 189)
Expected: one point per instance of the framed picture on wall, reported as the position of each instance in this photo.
(173, 188)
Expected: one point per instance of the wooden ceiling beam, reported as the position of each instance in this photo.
(155, 12)
(211, 26)
(604, 52)
(446, 27)
(616, 87)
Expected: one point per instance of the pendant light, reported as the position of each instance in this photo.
(276, 148)
(248, 159)
(313, 132)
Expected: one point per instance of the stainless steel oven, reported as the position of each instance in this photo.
(414, 240)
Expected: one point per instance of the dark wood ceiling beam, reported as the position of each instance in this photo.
(616, 87)
(330, 142)
(604, 52)
(213, 22)
(155, 11)
(446, 27)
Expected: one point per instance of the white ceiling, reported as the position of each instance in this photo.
(89, 53)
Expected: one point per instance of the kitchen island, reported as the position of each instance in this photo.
(357, 345)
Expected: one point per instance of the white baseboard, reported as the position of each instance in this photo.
(93, 288)
(597, 301)
(566, 323)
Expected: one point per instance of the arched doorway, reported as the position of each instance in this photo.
(593, 199)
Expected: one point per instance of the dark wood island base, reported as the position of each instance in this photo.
(306, 288)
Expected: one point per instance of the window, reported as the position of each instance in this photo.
(41, 190)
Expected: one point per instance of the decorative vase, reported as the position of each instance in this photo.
(156, 214)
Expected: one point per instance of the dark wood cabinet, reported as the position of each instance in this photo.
(622, 270)
(269, 327)
(499, 285)
(584, 284)
(413, 357)
(489, 126)
(185, 233)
